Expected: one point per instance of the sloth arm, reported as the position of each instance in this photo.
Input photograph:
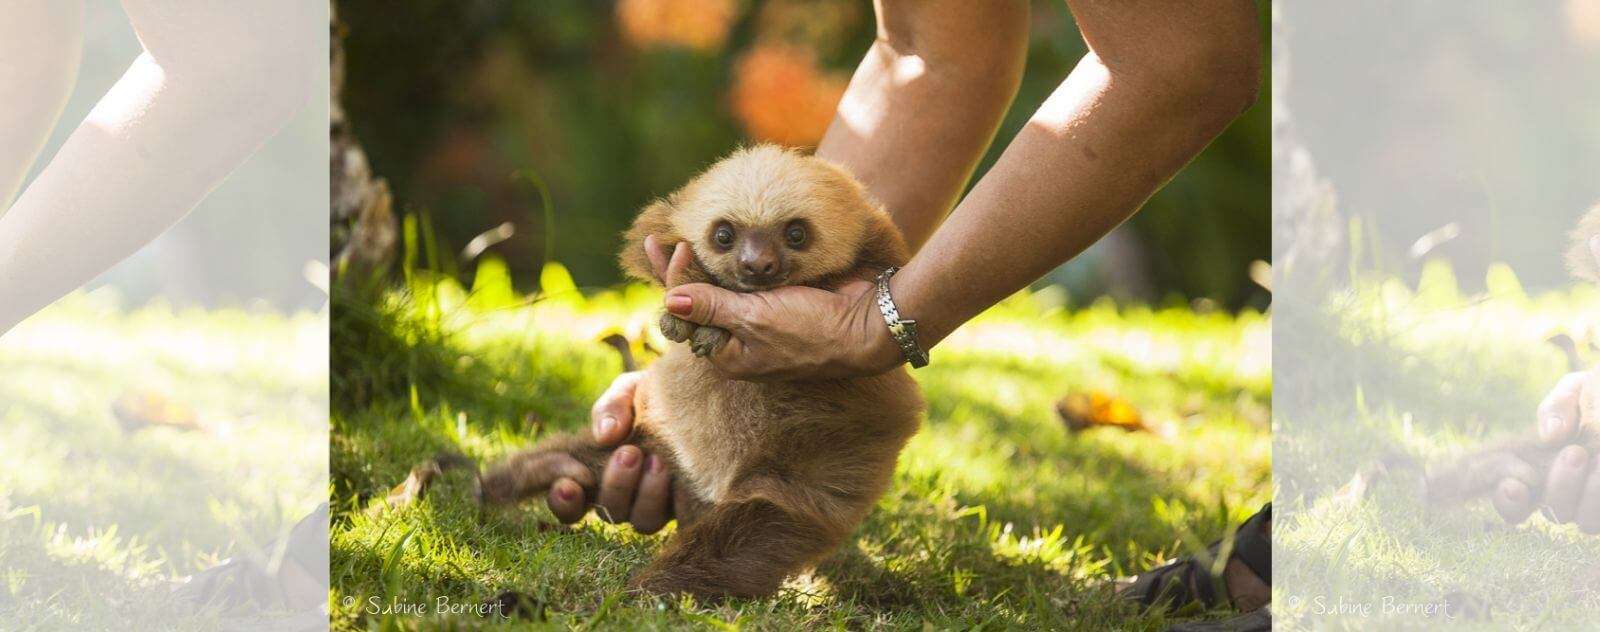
(1571, 479)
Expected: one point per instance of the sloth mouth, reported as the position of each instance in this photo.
(737, 284)
(761, 285)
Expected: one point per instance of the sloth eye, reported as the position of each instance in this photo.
(795, 235)
(723, 235)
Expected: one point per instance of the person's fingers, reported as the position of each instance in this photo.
(1514, 501)
(566, 501)
(681, 257)
(658, 257)
(735, 362)
(1588, 514)
(1558, 413)
(651, 505)
(618, 484)
(612, 414)
(1567, 476)
(704, 304)
(1515, 487)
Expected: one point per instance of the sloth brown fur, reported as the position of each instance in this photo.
(768, 478)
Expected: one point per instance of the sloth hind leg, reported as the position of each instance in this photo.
(737, 548)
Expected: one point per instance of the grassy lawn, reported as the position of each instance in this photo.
(95, 520)
(1422, 371)
(998, 516)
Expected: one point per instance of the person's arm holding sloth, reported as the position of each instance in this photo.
(1160, 81)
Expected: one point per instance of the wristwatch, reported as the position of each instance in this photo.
(902, 330)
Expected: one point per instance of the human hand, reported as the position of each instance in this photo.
(786, 333)
(635, 488)
(1571, 489)
(792, 332)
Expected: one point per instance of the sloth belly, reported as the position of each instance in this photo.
(710, 424)
(839, 436)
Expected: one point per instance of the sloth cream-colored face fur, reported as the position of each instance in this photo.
(767, 217)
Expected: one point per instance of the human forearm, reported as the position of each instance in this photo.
(49, 34)
(925, 103)
(212, 86)
(1110, 136)
(113, 188)
(1162, 80)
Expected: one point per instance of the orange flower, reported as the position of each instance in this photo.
(1583, 22)
(780, 95)
(698, 24)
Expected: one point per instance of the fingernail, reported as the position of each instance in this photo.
(654, 464)
(1573, 457)
(679, 304)
(566, 494)
(608, 425)
(627, 458)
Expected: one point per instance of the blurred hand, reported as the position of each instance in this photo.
(635, 488)
(788, 333)
(1571, 489)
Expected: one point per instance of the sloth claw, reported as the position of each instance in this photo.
(676, 329)
(708, 340)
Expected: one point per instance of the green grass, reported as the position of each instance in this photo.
(998, 517)
(95, 521)
(1421, 371)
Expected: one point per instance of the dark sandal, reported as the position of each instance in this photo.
(1190, 579)
(243, 581)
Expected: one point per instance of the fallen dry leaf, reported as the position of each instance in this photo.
(138, 411)
(417, 482)
(1084, 411)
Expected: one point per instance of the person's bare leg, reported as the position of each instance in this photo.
(217, 79)
(926, 101)
(41, 43)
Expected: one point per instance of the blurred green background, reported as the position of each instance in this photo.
(605, 105)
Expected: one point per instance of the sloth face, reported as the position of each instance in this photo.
(768, 217)
(761, 255)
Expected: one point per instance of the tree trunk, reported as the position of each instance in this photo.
(364, 231)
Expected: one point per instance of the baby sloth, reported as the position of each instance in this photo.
(768, 478)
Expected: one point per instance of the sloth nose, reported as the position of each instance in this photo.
(758, 260)
(760, 267)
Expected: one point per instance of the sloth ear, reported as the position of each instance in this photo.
(881, 246)
(1584, 256)
(655, 220)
